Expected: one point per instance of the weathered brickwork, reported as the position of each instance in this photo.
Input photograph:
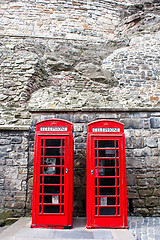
(77, 77)
(78, 54)
(13, 171)
(70, 19)
(80, 60)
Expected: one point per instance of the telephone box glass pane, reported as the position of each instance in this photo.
(52, 170)
(62, 209)
(51, 209)
(117, 181)
(52, 142)
(118, 210)
(52, 161)
(51, 189)
(106, 171)
(52, 151)
(107, 191)
(111, 201)
(117, 162)
(106, 177)
(96, 211)
(107, 182)
(52, 177)
(106, 153)
(51, 180)
(51, 199)
(106, 162)
(106, 144)
(107, 211)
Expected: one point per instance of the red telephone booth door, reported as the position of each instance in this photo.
(106, 176)
(53, 175)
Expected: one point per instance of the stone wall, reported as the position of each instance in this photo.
(55, 74)
(13, 170)
(76, 55)
(95, 59)
(142, 131)
(80, 19)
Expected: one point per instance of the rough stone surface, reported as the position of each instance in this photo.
(13, 175)
(83, 57)
(144, 228)
(81, 54)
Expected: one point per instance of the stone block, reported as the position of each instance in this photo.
(141, 211)
(80, 145)
(11, 172)
(155, 152)
(13, 184)
(80, 139)
(151, 201)
(4, 141)
(132, 194)
(146, 124)
(138, 203)
(131, 179)
(156, 191)
(129, 153)
(152, 142)
(133, 162)
(20, 198)
(155, 122)
(146, 192)
(2, 161)
(134, 142)
(16, 140)
(142, 182)
(10, 204)
(78, 127)
(142, 152)
(80, 118)
(19, 205)
(152, 162)
(5, 149)
(132, 123)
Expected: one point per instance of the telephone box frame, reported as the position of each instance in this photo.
(99, 131)
(59, 130)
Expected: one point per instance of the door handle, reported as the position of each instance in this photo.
(92, 172)
(66, 170)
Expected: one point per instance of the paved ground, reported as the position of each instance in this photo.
(21, 231)
(147, 228)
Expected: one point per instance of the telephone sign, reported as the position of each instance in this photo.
(53, 175)
(106, 175)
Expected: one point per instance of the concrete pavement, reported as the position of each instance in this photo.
(21, 230)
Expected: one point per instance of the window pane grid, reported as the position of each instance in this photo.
(51, 197)
(107, 198)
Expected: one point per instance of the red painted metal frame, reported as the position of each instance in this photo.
(119, 219)
(63, 219)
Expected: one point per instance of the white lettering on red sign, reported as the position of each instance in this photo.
(106, 129)
(54, 129)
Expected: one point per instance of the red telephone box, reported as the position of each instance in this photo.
(106, 175)
(52, 205)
